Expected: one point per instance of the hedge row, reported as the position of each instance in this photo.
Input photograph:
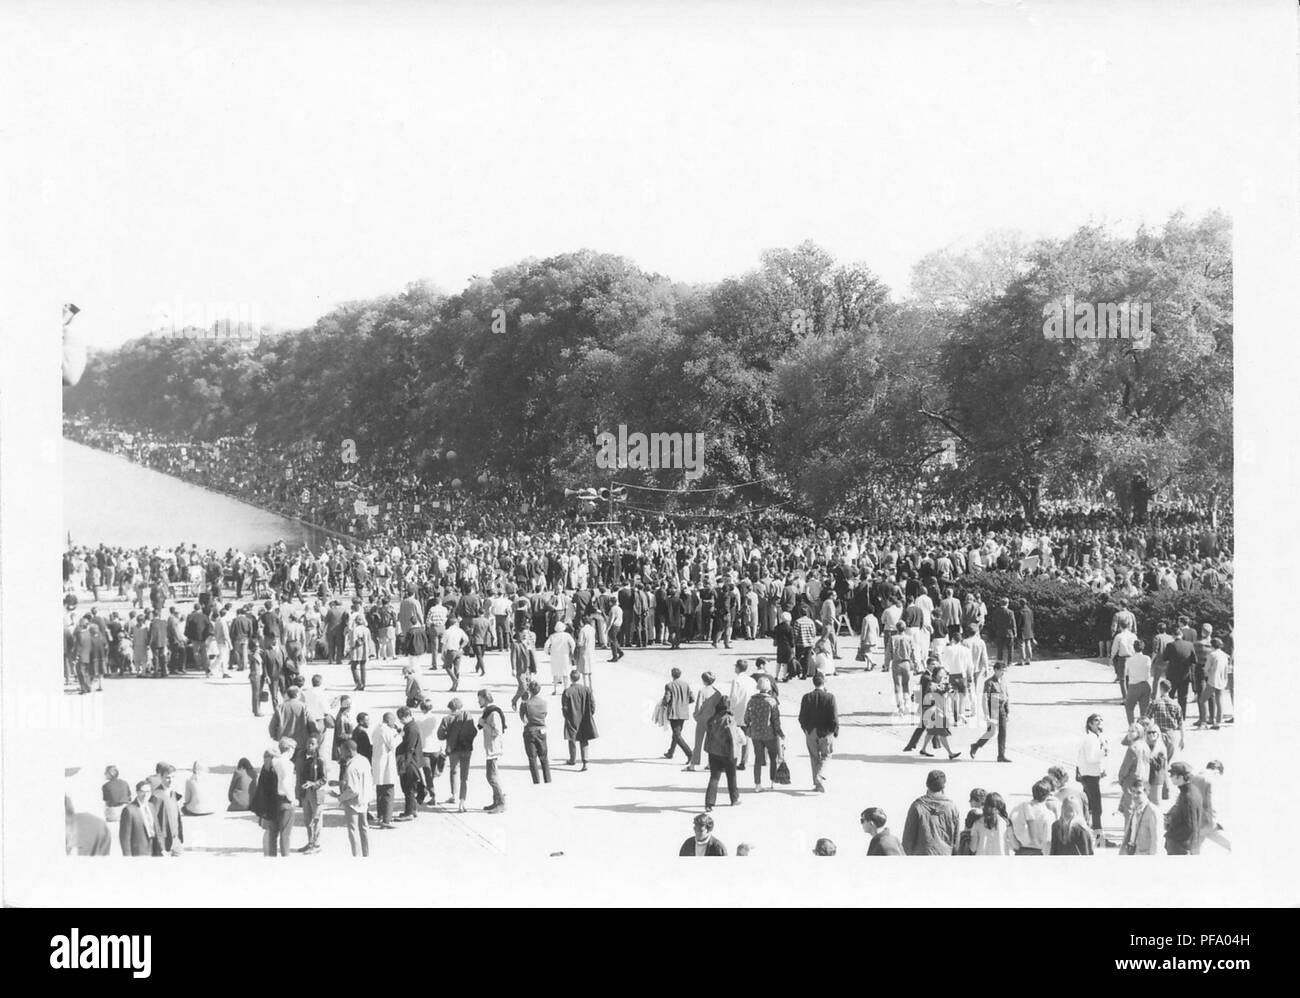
(1068, 618)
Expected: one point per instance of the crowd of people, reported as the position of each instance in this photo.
(902, 595)
(1052, 821)
(940, 647)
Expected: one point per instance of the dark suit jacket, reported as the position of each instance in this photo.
(1002, 622)
(714, 848)
(132, 833)
(883, 843)
(817, 713)
(410, 751)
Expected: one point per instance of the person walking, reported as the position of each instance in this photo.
(458, 730)
(678, 697)
(722, 739)
(763, 728)
(1168, 717)
(706, 705)
(742, 688)
(492, 722)
(578, 707)
(523, 663)
(1137, 681)
(1121, 647)
(819, 719)
(997, 707)
(1185, 820)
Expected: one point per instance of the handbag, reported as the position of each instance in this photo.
(782, 777)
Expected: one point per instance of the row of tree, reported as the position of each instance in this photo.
(806, 376)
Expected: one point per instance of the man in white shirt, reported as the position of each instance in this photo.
(435, 625)
(1031, 822)
(742, 688)
(1121, 647)
(500, 607)
(956, 660)
(1137, 677)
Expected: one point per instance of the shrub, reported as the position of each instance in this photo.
(1066, 614)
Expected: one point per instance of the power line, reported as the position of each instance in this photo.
(690, 492)
(743, 512)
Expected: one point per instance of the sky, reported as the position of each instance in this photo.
(275, 160)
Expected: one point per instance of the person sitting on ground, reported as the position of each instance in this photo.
(196, 801)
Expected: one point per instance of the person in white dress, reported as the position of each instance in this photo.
(560, 647)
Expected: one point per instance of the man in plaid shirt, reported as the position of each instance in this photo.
(805, 636)
(1168, 717)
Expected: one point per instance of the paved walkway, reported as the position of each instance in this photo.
(631, 801)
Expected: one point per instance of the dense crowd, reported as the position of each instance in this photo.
(443, 596)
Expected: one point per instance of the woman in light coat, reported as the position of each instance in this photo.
(585, 650)
(560, 646)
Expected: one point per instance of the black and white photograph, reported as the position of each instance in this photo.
(853, 392)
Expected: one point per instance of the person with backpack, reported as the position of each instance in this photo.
(492, 723)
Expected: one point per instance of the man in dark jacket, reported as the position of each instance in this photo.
(458, 730)
(883, 842)
(410, 764)
(1025, 631)
(335, 618)
(1180, 659)
(242, 629)
(933, 821)
(197, 629)
(702, 843)
(1002, 628)
(1185, 820)
(821, 726)
(137, 828)
(578, 705)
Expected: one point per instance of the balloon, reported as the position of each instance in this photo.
(451, 455)
(455, 483)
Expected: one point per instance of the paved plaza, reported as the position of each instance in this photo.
(631, 800)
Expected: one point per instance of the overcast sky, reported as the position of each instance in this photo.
(288, 157)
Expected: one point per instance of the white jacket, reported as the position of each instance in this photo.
(1092, 753)
(384, 749)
